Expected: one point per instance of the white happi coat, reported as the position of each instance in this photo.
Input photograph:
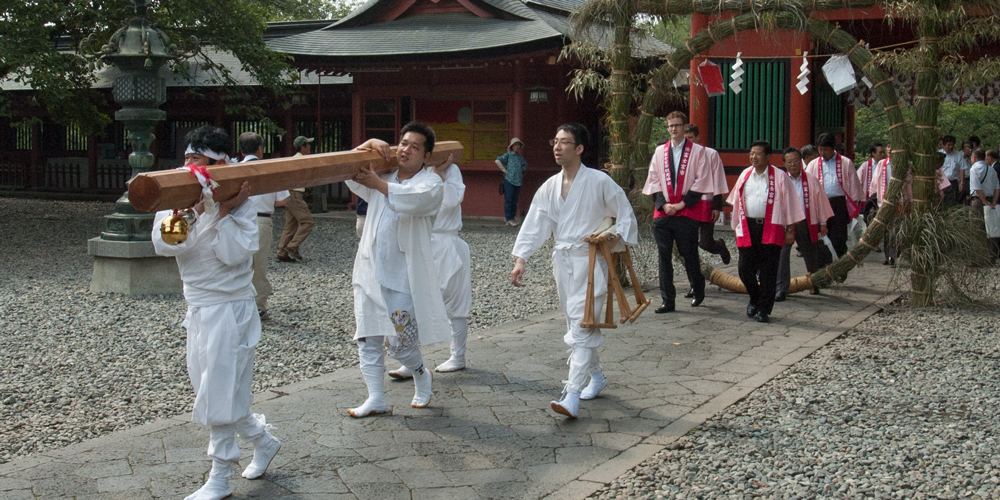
(223, 327)
(451, 253)
(417, 202)
(593, 197)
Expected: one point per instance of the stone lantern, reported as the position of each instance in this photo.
(124, 260)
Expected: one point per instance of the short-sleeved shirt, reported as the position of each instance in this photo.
(830, 182)
(755, 195)
(516, 165)
(984, 178)
(953, 162)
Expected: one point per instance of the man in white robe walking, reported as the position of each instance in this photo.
(396, 285)
(453, 260)
(222, 323)
(568, 207)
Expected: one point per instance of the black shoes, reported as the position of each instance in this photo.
(751, 311)
(762, 317)
(779, 297)
(285, 258)
(698, 300)
(690, 294)
(725, 255)
(664, 308)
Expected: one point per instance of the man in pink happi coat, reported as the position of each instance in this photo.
(836, 175)
(865, 173)
(682, 184)
(807, 231)
(765, 210)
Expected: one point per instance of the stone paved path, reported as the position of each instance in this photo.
(489, 432)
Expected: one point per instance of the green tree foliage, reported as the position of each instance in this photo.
(960, 121)
(38, 42)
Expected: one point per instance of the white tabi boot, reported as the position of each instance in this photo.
(375, 404)
(265, 447)
(217, 486)
(422, 388)
(401, 373)
(459, 336)
(597, 382)
(569, 406)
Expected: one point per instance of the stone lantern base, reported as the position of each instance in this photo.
(132, 268)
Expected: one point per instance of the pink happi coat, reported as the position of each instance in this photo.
(784, 208)
(817, 209)
(866, 172)
(848, 179)
(696, 174)
(880, 183)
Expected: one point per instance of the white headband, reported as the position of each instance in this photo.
(206, 152)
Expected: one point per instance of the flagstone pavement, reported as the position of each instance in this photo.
(489, 432)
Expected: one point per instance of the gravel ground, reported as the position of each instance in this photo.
(903, 406)
(75, 364)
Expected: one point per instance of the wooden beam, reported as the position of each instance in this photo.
(169, 189)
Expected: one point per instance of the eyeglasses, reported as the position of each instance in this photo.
(553, 142)
(674, 125)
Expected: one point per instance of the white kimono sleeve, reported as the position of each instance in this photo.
(365, 193)
(454, 188)
(237, 236)
(417, 199)
(618, 206)
(537, 227)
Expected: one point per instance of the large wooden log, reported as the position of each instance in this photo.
(167, 189)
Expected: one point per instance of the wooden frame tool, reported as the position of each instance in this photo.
(628, 313)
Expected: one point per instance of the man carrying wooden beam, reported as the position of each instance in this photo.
(570, 206)
(222, 323)
(395, 279)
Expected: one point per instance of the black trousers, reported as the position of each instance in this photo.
(683, 231)
(815, 254)
(759, 260)
(837, 225)
(707, 241)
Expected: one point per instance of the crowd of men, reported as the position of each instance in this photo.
(412, 272)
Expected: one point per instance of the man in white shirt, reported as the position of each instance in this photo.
(568, 207)
(955, 170)
(838, 178)
(252, 146)
(985, 187)
(807, 231)
(865, 172)
(765, 210)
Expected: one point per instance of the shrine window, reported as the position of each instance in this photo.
(481, 125)
(22, 136)
(380, 119)
(759, 112)
(265, 131)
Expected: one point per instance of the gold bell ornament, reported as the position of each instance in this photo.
(174, 229)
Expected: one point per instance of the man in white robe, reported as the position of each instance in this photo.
(252, 147)
(568, 207)
(396, 285)
(453, 260)
(223, 327)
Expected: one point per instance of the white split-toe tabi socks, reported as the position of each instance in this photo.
(401, 373)
(371, 406)
(597, 382)
(569, 406)
(217, 487)
(422, 388)
(453, 364)
(263, 453)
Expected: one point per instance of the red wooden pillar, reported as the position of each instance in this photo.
(698, 107)
(357, 118)
(800, 105)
